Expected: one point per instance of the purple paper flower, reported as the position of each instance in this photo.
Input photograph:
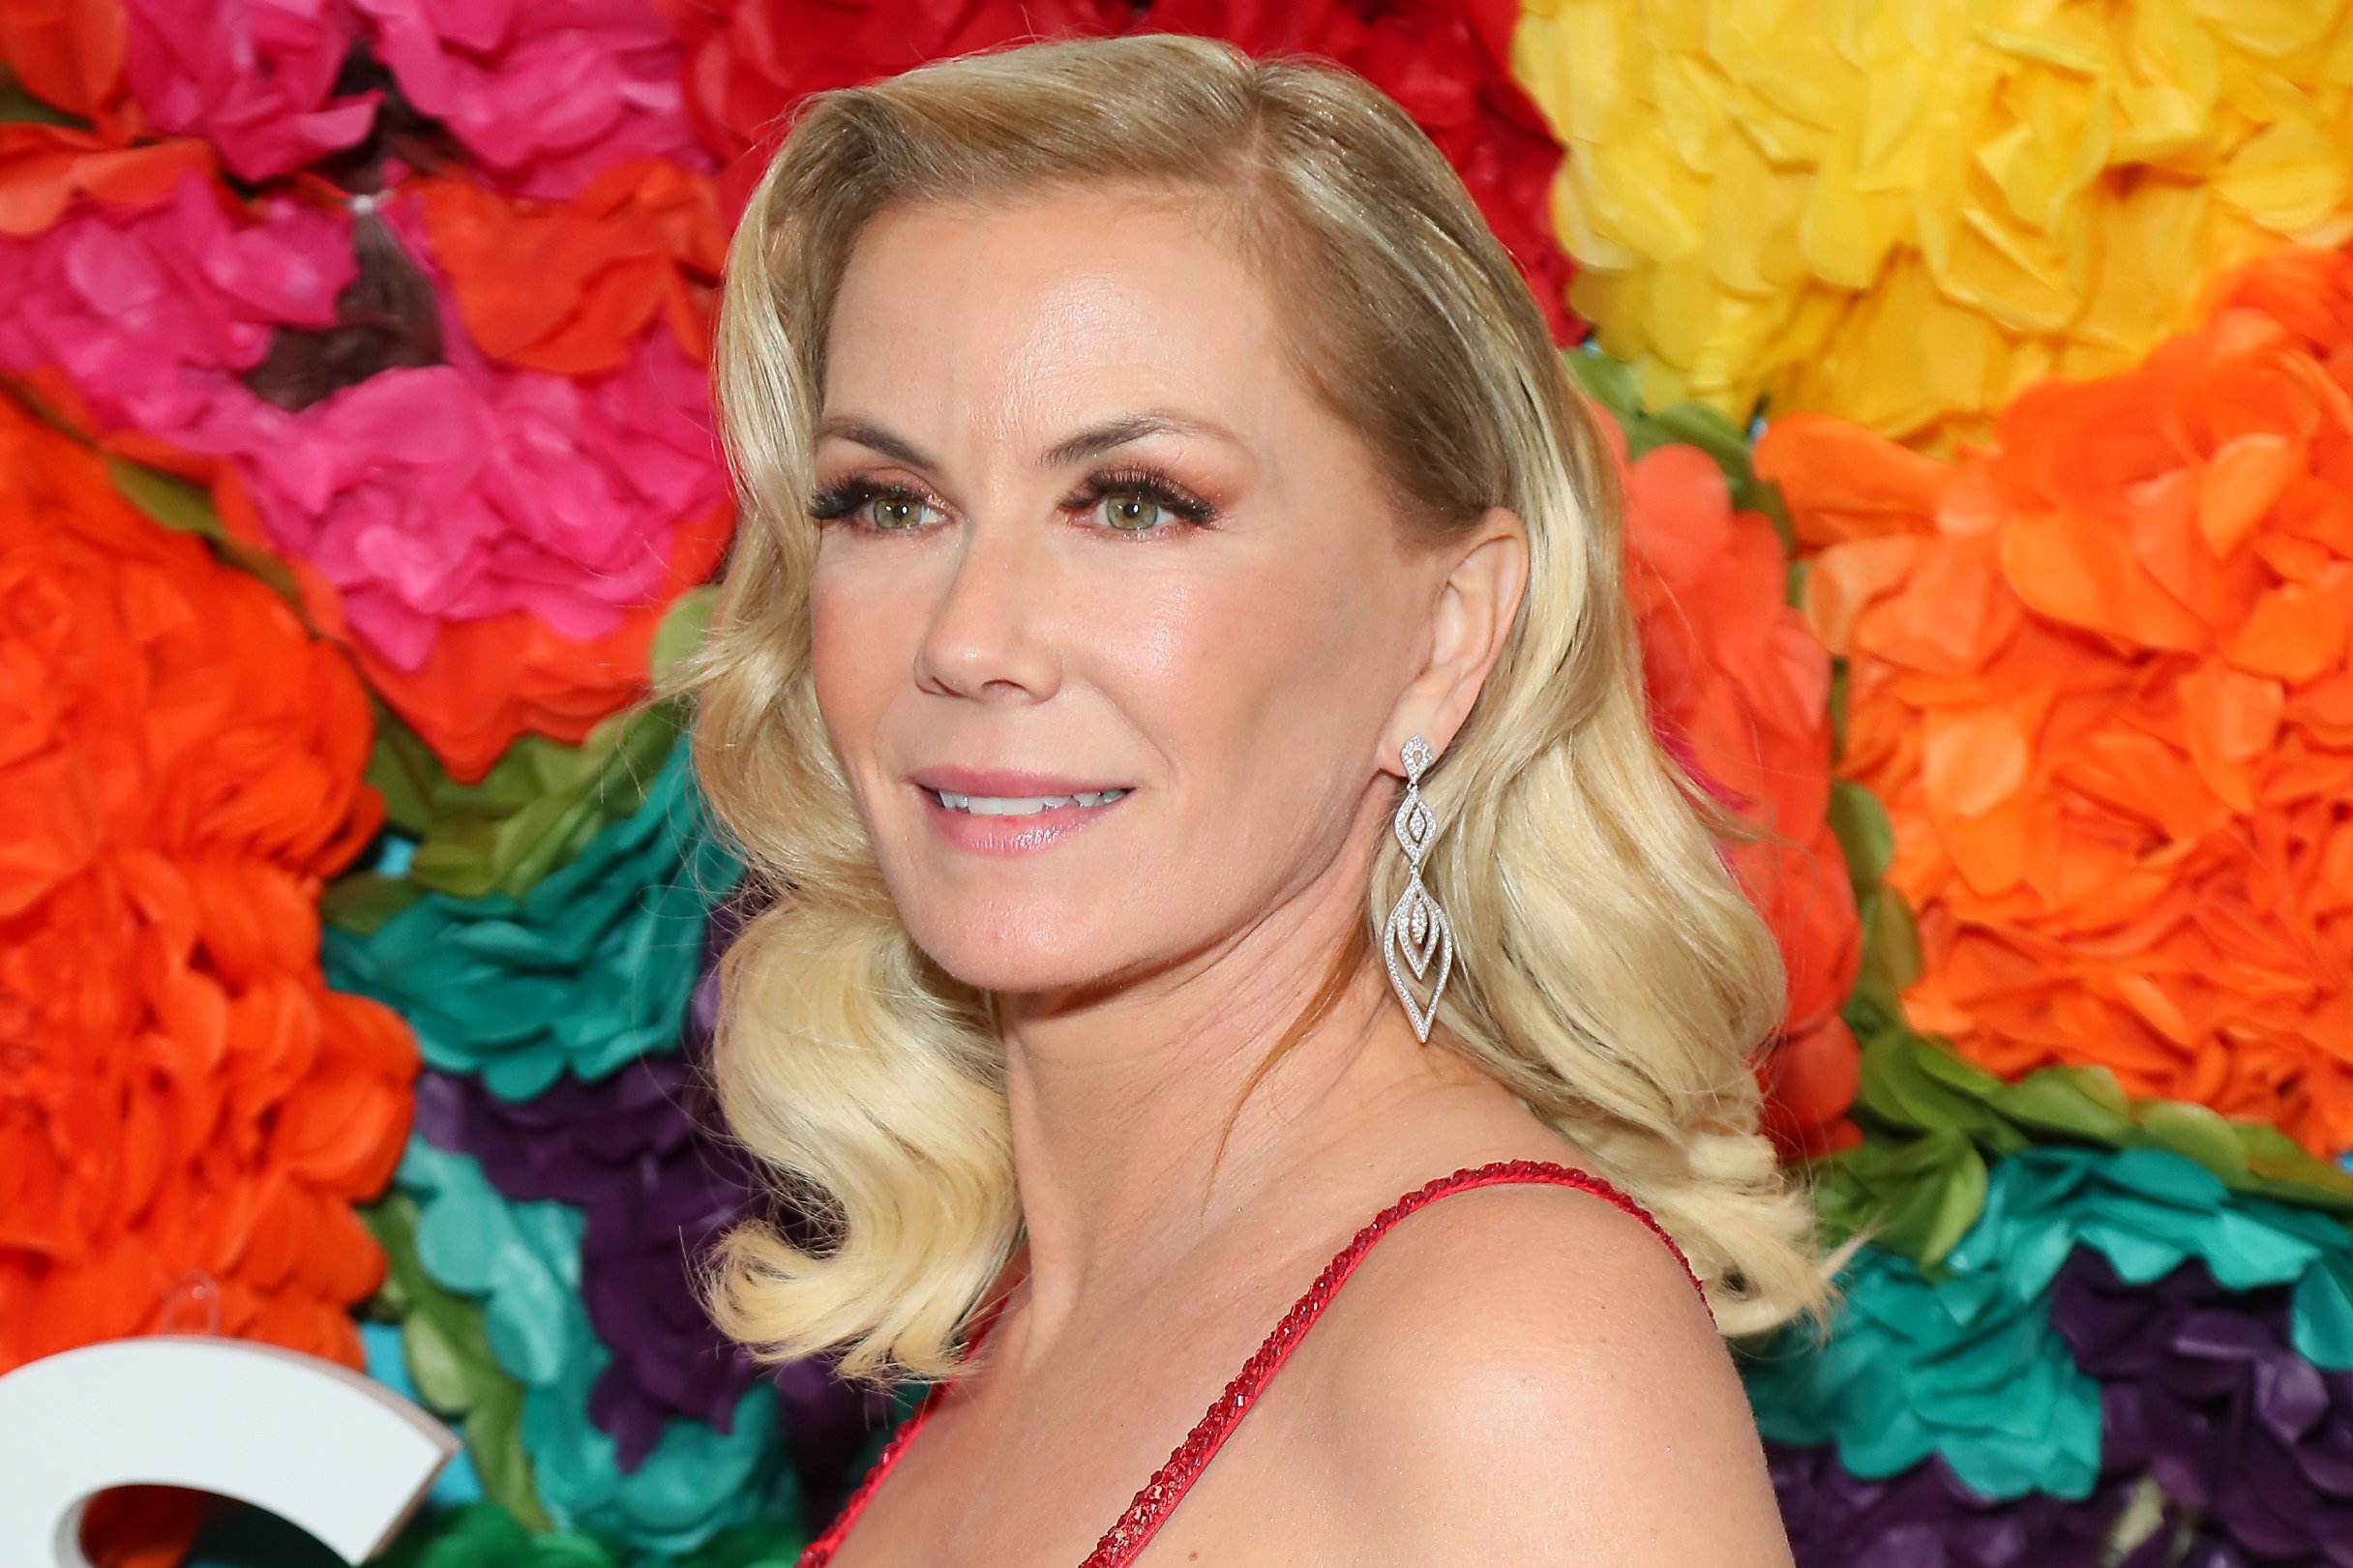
(545, 94)
(253, 78)
(2202, 1387)
(1926, 1518)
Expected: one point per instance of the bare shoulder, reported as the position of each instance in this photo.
(1525, 1374)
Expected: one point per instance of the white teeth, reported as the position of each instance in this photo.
(1022, 805)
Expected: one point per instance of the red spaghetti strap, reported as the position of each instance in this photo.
(820, 1551)
(1160, 1495)
(1152, 1505)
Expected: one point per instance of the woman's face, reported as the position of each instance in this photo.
(1111, 619)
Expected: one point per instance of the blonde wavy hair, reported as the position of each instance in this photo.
(1612, 975)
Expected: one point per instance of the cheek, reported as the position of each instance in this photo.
(1264, 683)
(854, 661)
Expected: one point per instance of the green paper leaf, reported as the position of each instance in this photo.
(1839, 688)
(1890, 949)
(1708, 429)
(362, 902)
(681, 630)
(187, 508)
(1607, 381)
(19, 105)
(446, 1345)
(1864, 832)
(539, 804)
(1917, 1199)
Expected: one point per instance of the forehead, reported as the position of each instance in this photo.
(1049, 308)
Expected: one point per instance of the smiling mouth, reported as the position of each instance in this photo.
(1020, 805)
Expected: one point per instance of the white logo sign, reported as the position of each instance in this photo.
(315, 1443)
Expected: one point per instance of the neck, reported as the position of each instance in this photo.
(1134, 1140)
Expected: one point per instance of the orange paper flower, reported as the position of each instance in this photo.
(568, 287)
(69, 54)
(2100, 679)
(187, 1113)
(43, 167)
(1740, 684)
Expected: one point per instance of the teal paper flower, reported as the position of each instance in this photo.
(522, 1263)
(1962, 1360)
(589, 970)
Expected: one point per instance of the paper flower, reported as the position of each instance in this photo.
(487, 682)
(522, 1263)
(571, 288)
(2100, 683)
(445, 1350)
(645, 1158)
(545, 94)
(44, 169)
(2201, 1387)
(1906, 214)
(152, 312)
(1740, 685)
(427, 501)
(1965, 1363)
(654, 1193)
(1444, 62)
(747, 61)
(1969, 1370)
(588, 971)
(69, 54)
(483, 1536)
(1837, 1520)
(544, 522)
(1936, 1119)
(253, 78)
(464, 491)
(187, 1113)
(536, 809)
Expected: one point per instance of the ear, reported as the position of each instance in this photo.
(1478, 599)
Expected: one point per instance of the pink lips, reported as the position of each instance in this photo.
(1008, 834)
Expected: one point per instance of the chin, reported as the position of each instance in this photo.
(1018, 951)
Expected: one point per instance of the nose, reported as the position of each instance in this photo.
(988, 639)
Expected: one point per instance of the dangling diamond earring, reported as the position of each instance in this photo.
(1416, 924)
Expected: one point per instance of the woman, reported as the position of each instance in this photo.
(1166, 523)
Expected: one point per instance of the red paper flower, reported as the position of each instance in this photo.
(1445, 61)
(1739, 687)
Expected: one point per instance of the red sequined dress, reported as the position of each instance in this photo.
(1159, 1497)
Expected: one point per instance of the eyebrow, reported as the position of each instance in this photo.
(1091, 442)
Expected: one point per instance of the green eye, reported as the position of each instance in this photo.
(1131, 511)
(892, 513)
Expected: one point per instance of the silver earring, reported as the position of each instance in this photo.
(1416, 925)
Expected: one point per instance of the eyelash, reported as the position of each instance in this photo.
(844, 501)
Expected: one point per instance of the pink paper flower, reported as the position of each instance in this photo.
(250, 76)
(546, 93)
(153, 312)
(457, 492)
(426, 494)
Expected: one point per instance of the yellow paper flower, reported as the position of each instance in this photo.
(1904, 212)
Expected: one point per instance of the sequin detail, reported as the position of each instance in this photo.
(1159, 1496)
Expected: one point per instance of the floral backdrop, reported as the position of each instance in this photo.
(1983, 374)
